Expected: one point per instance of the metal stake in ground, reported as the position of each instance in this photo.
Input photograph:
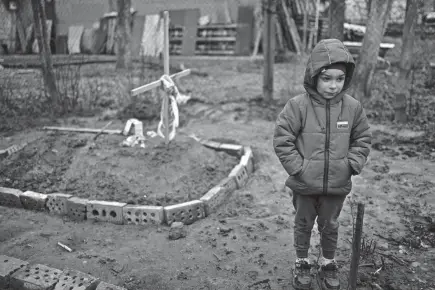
(356, 246)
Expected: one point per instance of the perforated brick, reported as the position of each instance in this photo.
(75, 280)
(232, 149)
(105, 211)
(76, 208)
(8, 266)
(56, 203)
(218, 194)
(241, 175)
(34, 200)
(10, 197)
(35, 277)
(143, 214)
(107, 286)
(247, 159)
(187, 212)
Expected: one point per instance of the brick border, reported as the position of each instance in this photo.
(19, 274)
(79, 209)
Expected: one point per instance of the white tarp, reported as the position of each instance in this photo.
(153, 36)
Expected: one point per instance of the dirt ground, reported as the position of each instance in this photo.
(248, 243)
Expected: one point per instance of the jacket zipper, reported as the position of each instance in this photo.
(326, 168)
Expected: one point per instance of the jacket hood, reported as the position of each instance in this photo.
(325, 53)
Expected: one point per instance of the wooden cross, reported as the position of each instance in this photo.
(158, 83)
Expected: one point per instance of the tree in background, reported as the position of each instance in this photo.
(403, 81)
(337, 10)
(368, 57)
(124, 60)
(40, 20)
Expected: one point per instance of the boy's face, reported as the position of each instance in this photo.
(330, 82)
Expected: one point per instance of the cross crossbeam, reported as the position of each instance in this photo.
(158, 83)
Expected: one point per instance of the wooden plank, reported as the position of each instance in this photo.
(102, 36)
(111, 35)
(29, 36)
(21, 34)
(136, 38)
(74, 38)
(83, 130)
(166, 72)
(35, 47)
(316, 23)
(244, 39)
(279, 36)
(258, 16)
(305, 29)
(292, 28)
(158, 83)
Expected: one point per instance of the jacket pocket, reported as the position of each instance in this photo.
(304, 167)
(340, 172)
(312, 173)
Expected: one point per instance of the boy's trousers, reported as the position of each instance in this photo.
(326, 208)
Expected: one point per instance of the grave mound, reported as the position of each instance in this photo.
(104, 170)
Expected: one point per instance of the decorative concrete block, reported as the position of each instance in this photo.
(247, 159)
(34, 277)
(105, 211)
(10, 197)
(75, 280)
(107, 286)
(76, 208)
(34, 200)
(143, 214)
(218, 194)
(232, 149)
(241, 175)
(56, 203)
(8, 266)
(187, 212)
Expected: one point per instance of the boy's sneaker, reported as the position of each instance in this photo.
(328, 275)
(302, 275)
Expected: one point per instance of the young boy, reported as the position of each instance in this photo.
(321, 138)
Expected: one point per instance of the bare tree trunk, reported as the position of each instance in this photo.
(337, 10)
(368, 56)
(40, 19)
(124, 60)
(403, 82)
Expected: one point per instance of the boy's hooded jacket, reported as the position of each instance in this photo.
(322, 143)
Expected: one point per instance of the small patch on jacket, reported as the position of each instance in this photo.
(342, 125)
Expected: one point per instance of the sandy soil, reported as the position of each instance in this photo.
(248, 243)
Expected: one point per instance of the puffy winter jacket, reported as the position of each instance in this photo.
(321, 143)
